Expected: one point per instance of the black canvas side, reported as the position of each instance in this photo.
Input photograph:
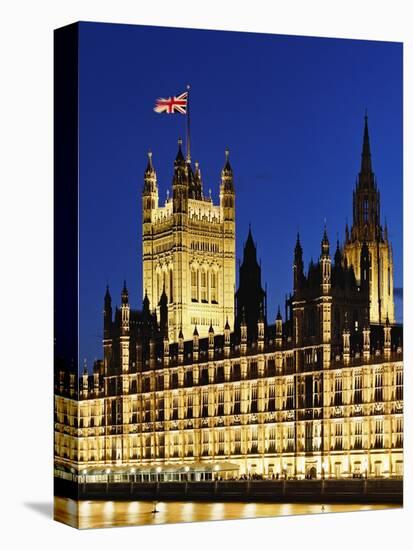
(66, 160)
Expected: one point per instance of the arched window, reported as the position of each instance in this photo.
(365, 210)
(388, 281)
(158, 286)
(194, 285)
(204, 286)
(214, 287)
(171, 286)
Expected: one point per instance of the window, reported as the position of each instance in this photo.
(271, 397)
(338, 391)
(220, 411)
(338, 436)
(205, 404)
(290, 438)
(171, 287)
(204, 287)
(378, 437)
(290, 394)
(158, 286)
(254, 400)
(237, 401)
(271, 440)
(358, 397)
(214, 287)
(398, 434)
(189, 404)
(388, 281)
(237, 442)
(378, 386)
(205, 442)
(194, 285)
(399, 385)
(366, 209)
(358, 435)
(309, 436)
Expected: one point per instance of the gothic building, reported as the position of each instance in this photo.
(189, 249)
(367, 228)
(191, 384)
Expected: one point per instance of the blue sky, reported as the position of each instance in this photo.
(291, 111)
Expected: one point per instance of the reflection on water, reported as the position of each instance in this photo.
(90, 514)
(93, 513)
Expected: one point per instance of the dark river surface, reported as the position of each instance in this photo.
(94, 514)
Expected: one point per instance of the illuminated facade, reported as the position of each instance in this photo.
(367, 228)
(189, 249)
(318, 393)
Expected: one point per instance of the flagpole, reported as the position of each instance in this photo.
(188, 135)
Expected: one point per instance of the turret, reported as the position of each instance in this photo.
(180, 347)
(278, 329)
(125, 326)
(163, 312)
(107, 315)
(227, 195)
(125, 310)
(366, 338)
(180, 188)
(211, 342)
(261, 330)
(387, 339)
(166, 349)
(250, 296)
(194, 182)
(227, 339)
(346, 342)
(85, 381)
(195, 344)
(338, 258)
(325, 264)
(150, 191)
(145, 307)
(96, 378)
(298, 266)
(244, 334)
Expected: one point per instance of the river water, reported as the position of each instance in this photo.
(94, 514)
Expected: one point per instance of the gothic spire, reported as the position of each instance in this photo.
(149, 178)
(337, 255)
(108, 298)
(298, 250)
(366, 167)
(227, 176)
(180, 160)
(325, 244)
(125, 294)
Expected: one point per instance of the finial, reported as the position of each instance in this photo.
(365, 114)
(188, 86)
(179, 141)
(227, 153)
(149, 154)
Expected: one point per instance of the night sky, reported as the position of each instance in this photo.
(290, 109)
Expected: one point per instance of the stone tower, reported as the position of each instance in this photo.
(189, 249)
(367, 228)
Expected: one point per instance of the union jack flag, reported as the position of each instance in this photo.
(174, 104)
